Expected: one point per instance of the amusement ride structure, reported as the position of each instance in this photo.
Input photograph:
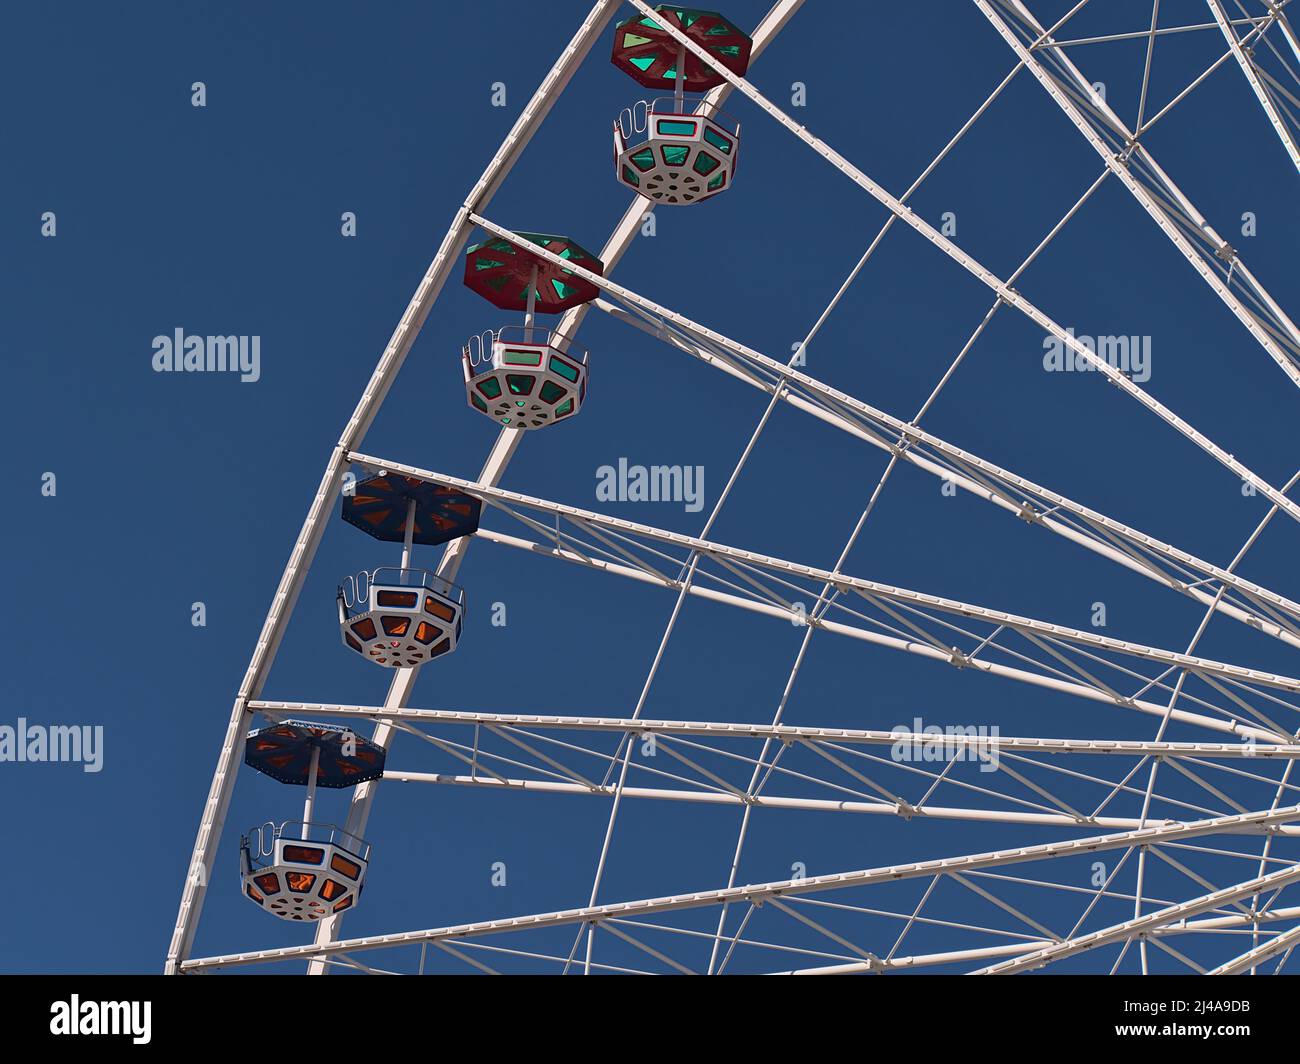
(1236, 742)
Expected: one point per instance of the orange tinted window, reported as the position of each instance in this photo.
(438, 609)
(397, 598)
(299, 882)
(341, 864)
(269, 882)
(395, 625)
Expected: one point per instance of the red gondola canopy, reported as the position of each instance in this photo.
(501, 273)
(646, 53)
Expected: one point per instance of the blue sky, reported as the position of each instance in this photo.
(182, 488)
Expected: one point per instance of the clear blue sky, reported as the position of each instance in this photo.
(175, 488)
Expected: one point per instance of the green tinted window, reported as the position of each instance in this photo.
(490, 387)
(675, 154)
(643, 159)
(569, 373)
(519, 383)
(515, 357)
(674, 128)
(717, 140)
(705, 163)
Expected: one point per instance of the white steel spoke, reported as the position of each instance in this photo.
(783, 733)
(814, 885)
(1122, 150)
(1164, 31)
(1284, 942)
(1142, 924)
(1280, 127)
(1014, 494)
(978, 270)
(1059, 635)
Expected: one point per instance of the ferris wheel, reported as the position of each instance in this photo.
(1178, 847)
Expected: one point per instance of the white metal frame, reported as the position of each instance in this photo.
(1246, 713)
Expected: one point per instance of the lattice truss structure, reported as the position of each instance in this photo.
(1196, 837)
